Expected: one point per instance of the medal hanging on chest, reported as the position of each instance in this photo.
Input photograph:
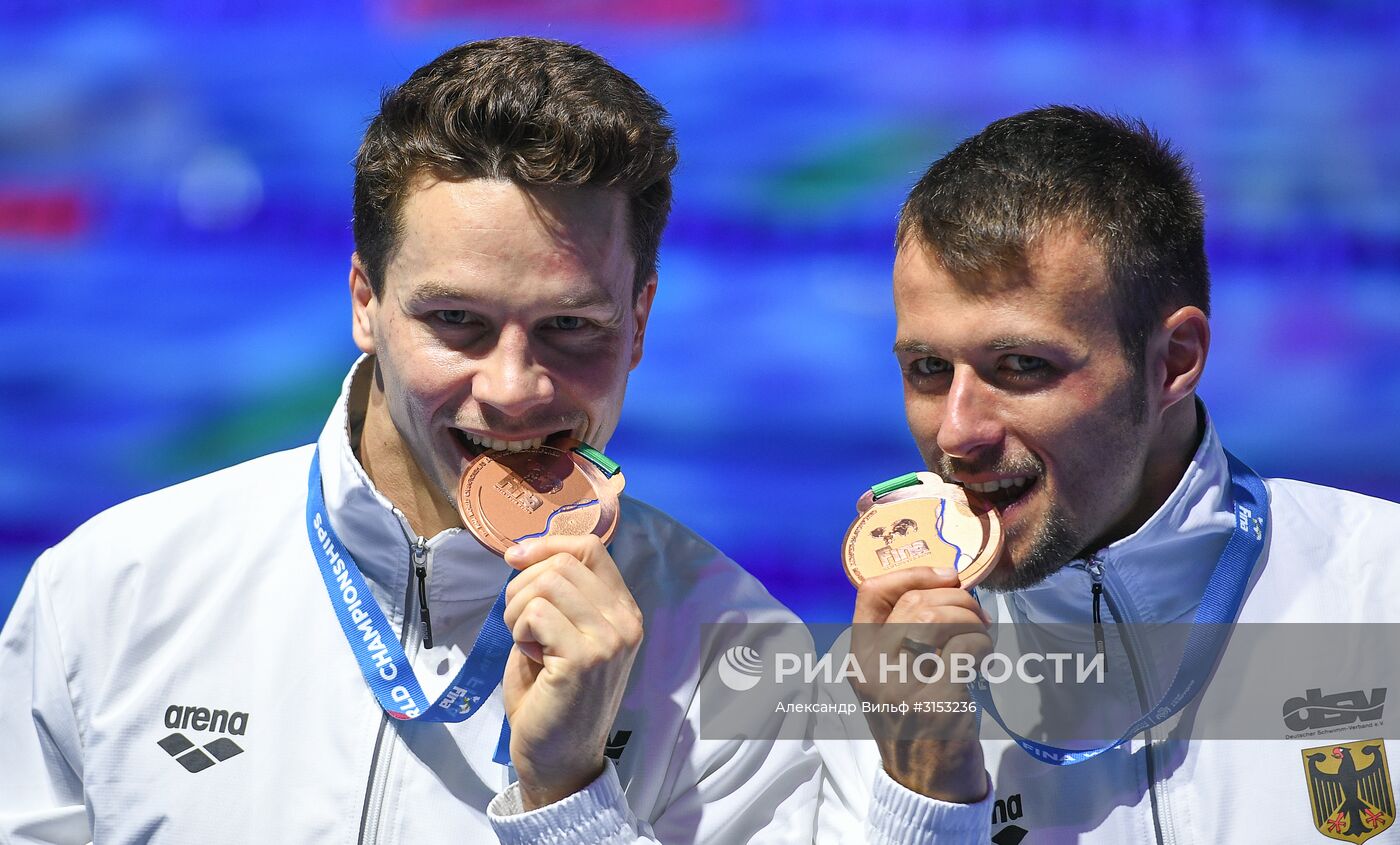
(568, 489)
(920, 520)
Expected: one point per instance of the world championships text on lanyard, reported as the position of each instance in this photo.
(382, 660)
(572, 477)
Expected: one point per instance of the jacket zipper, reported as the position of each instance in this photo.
(383, 756)
(420, 566)
(1096, 574)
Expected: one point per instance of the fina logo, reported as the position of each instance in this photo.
(740, 668)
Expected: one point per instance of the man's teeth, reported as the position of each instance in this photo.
(507, 445)
(998, 484)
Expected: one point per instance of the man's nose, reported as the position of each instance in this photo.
(510, 379)
(970, 420)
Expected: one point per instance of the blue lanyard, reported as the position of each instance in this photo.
(376, 647)
(1219, 606)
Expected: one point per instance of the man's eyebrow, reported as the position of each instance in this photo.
(912, 347)
(429, 291)
(1018, 342)
(578, 302)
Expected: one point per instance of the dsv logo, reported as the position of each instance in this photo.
(1314, 710)
(740, 668)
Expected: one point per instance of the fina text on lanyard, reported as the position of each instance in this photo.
(1220, 605)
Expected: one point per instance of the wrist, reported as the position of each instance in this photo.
(538, 790)
(945, 770)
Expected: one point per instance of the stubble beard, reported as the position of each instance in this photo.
(1053, 540)
(1053, 544)
(1058, 539)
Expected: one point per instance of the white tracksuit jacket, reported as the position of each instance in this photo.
(1330, 556)
(173, 672)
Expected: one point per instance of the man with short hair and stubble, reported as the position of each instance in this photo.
(1052, 299)
(174, 670)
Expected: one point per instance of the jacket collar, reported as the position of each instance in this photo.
(1158, 573)
(376, 532)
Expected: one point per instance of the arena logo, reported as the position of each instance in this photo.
(616, 744)
(185, 751)
(204, 719)
(1005, 811)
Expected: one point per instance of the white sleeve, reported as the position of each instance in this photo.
(760, 789)
(860, 802)
(741, 791)
(41, 780)
(832, 791)
(890, 815)
(595, 815)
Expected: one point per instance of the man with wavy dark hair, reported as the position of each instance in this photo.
(174, 669)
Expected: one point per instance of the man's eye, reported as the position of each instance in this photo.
(566, 322)
(1025, 363)
(929, 367)
(453, 318)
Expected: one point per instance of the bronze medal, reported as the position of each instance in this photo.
(921, 520)
(507, 497)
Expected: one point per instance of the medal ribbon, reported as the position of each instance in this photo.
(381, 657)
(1218, 608)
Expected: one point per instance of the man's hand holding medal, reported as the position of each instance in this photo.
(915, 548)
(549, 511)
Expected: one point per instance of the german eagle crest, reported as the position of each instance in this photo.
(1349, 787)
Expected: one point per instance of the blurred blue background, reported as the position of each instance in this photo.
(175, 202)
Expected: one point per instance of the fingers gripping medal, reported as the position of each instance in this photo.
(920, 520)
(568, 488)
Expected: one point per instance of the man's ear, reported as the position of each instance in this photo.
(364, 306)
(641, 311)
(1179, 354)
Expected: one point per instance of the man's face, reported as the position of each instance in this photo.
(506, 317)
(1019, 382)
